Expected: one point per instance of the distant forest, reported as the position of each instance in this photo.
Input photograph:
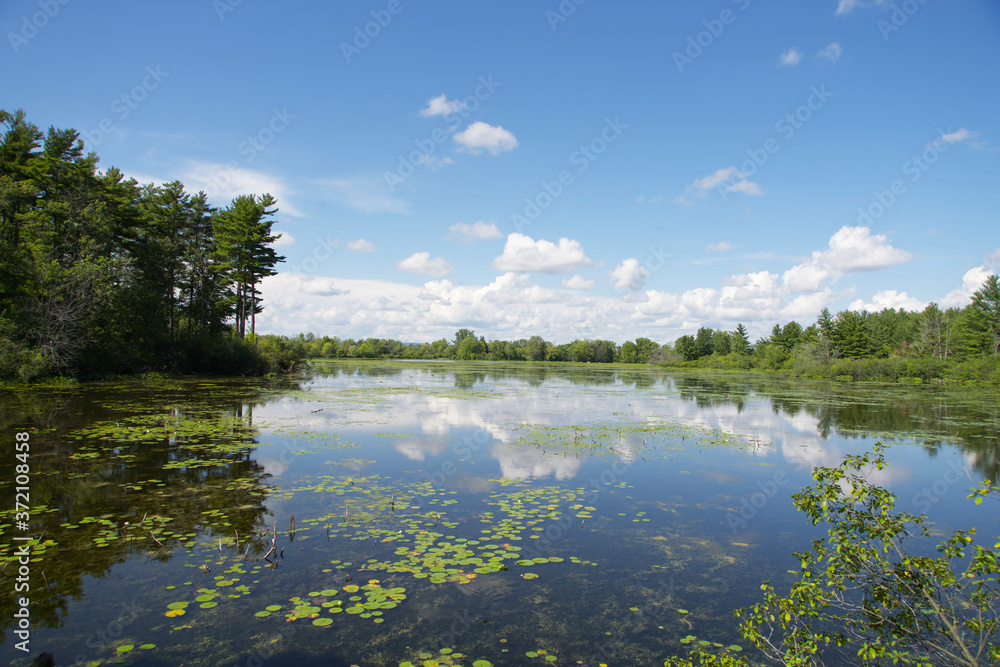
(959, 344)
(101, 275)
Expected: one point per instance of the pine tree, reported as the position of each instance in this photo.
(986, 303)
(243, 237)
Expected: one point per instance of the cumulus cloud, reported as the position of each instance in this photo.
(888, 299)
(831, 52)
(722, 246)
(523, 254)
(361, 245)
(851, 249)
(790, 58)
(421, 262)
(856, 249)
(513, 306)
(465, 233)
(284, 239)
(441, 106)
(577, 282)
(809, 276)
(481, 136)
(629, 275)
(319, 286)
(223, 183)
(971, 282)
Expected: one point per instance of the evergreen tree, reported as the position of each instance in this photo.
(740, 340)
(243, 237)
(986, 304)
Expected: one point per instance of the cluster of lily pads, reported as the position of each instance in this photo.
(368, 601)
(445, 657)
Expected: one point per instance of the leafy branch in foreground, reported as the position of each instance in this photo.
(862, 588)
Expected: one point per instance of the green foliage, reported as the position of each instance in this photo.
(933, 345)
(702, 658)
(101, 276)
(866, 591)
(740, 342)
(986, 307)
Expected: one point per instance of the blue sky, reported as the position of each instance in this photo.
(573, 169)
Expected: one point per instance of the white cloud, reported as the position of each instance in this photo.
(434, 162)
(319, 286)
(971, 282)
(223, 183)
(577, 282)
(736, 183)
(523, 254)
(363, 194)
(959, 136)
(888, 299)
(284, 240)
(746, 187)
(513, 306)
(851, 249)
(993, 260)
(790, 58)
(809, 276)
(831, 52)
(421, 262)
(807, 306)
(844, 7)
(441, 106)
(466, 233)
(710, 181)
(856, 249)
(481, 136)
(629, 275)
(722, 246)
(361, 245)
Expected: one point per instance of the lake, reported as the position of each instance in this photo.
(388, 513)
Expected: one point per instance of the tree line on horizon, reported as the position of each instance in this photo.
(889, 344)
(101, 275)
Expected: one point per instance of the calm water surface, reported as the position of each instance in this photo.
(380, 513)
